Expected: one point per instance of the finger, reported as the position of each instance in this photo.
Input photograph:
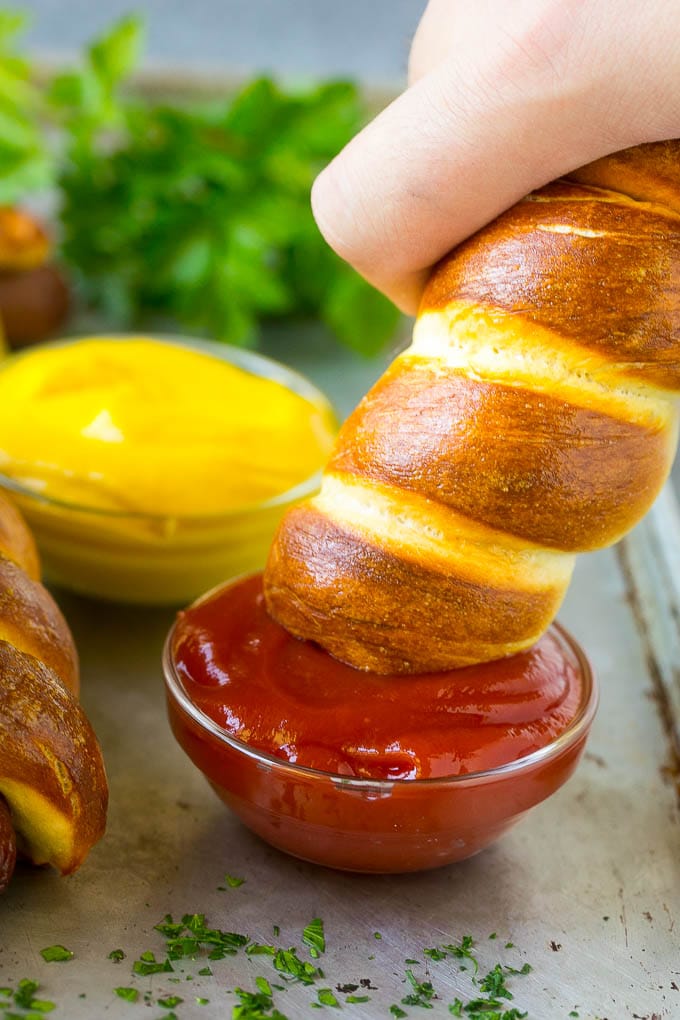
(466, 141)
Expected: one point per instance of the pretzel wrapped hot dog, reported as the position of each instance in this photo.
(53, 791)
(533, 417)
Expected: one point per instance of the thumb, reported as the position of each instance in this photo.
(477, 132)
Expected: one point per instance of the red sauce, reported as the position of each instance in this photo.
(292, 700)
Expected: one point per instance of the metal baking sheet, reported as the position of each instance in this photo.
(587, 887)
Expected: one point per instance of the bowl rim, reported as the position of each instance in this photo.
(242, 357)
(577, 728)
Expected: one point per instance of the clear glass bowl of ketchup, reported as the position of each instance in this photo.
(362, 772)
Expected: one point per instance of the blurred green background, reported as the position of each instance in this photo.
(174, 146)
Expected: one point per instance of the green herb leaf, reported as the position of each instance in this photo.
(56, 954)
(422, 992)
(327, 998)
(25, 993)
(258, 949)
(494, 982)
(255, 1006)
(129, 994)
(147, 964)
(113, 56)
(233, 882)
(313, 936)
(287, 962)
(26, 165)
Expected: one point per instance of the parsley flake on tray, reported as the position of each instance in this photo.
(191, 940)
(56, 954)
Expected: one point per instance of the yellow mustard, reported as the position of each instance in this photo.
(148, 426)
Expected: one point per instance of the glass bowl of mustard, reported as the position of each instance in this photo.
(150, 468)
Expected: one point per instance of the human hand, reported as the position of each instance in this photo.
(502, 98)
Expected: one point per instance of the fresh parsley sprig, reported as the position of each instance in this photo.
(186, 213)
(26, 161)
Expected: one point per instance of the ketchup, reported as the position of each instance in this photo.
(290, 699)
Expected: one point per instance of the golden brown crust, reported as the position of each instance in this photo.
(8, 846)
(548, 260)
(647, 173)
(31, 620)
(51, 769)
(16, 541)
(53, 792)
(23, 241)
(536, 406)
(388, 613)
(524, 462)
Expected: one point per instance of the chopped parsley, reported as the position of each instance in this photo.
(24, 998)
(326, 997)
(313, 937)
(129, 994)
(186, 938)
(288, 962)
(494, 983)
(255, 1006)
(56, 954)
(260, 949)
(525, 969)
(232, 882)
(148, 964)
(422, 992)
(193, 938)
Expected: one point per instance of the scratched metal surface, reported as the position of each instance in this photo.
(587, 887)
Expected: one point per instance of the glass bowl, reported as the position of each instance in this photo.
(375, 825)
(162, 559)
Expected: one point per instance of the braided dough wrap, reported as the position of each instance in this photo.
(53, 791)
(533, 417)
